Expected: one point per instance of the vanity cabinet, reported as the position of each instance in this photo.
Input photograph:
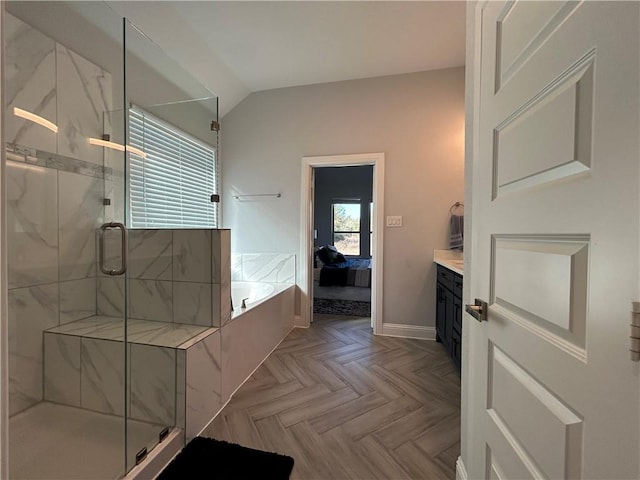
(449, 312)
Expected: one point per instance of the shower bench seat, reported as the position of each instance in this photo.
(169, 366)
(142, 332)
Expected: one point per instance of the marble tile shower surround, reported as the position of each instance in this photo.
(50, 80)
(30, 83)
(176, 276)
(55, 191)
(169, 385)
(263, 267)
(89, 373)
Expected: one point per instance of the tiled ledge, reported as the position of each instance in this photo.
(41, 158)
(143, 332)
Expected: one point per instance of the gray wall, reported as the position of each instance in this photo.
(339, 183)
(417, 120)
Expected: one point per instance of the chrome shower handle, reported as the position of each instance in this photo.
(123, 266)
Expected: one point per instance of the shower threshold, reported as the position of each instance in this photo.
(60, 442)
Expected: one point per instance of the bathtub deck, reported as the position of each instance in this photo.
(145, 332)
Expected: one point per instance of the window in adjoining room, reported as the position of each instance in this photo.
(346, 227)
(172, 186)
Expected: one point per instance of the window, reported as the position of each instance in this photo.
(172, 186)
(346, 227)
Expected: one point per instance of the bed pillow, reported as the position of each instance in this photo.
(329, 255)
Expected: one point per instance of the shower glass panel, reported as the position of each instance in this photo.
(64, 78)
(168, 179)
(103, 313)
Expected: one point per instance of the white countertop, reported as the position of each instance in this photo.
(451, 259)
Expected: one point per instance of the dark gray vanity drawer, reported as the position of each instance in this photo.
(445, 277)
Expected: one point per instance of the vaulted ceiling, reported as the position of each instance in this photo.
(238, 47)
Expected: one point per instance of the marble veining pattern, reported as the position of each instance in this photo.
(192, 256)
(268, 267)
(236, 267)
(139, 331)
(150, 254)
(62, 369)
(77, 299)
(216, 305)
(31, 310)
(80, 208)
(225, 276)
(192, 303)
(220, 254)
(32, 225)
(181, 378)
(84, 93)
(110, 296)
(153, 384)
(102, 375)
(30, 83)
(151, 300)
(202, 383)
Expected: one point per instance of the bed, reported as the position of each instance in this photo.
(340, 271)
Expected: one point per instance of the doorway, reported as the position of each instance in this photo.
(343, 208)
(375, 217)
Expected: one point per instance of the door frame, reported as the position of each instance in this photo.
(474, 333)
(307, 237)
(4, 315)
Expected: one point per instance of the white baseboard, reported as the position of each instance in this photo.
(297, 322)
(461, 471)
(408, 331)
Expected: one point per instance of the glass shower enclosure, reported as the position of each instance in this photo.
(96, 375)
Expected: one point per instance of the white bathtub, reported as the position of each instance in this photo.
(255, 293)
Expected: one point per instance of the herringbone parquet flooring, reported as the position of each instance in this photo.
(346, 404)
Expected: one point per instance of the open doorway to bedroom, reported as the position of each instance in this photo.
(343, 234)
(355, 224)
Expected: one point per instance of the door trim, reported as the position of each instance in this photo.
(306, 237)
(471, 458)
(4, 315)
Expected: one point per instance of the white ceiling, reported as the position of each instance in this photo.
(238, 47)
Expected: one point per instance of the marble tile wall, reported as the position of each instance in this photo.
(31, 310)
(89, 373)
(153, 384)
(179, 276)
(30, 83)
(55, 191)
(168, 386)
(263, 267)
(263, 328)
(84, 95)
(32, 225)
(202, 384)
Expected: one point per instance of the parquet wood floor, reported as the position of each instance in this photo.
(346, 404)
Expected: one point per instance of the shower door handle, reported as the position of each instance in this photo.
(123, 266)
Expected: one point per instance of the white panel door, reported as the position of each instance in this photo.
(555, 241)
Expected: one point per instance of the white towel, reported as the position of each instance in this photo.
(456, 232)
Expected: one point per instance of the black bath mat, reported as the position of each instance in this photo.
(207, 458)
(341, 307)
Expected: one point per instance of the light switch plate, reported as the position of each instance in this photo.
(394, 220)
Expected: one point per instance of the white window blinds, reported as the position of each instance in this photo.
(172, 186)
